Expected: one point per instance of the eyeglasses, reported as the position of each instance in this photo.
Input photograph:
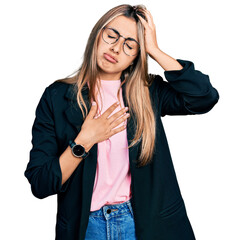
(130, 46)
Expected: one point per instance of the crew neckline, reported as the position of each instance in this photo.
(110, 80)
(107, 82)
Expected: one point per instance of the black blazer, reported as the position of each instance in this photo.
(159, 209)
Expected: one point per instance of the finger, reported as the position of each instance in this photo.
(119, 121)
(117, 115)
(92, 111)
(107, 113)
(119, 129)
(122, 119)
(149, 17)
(144, 22)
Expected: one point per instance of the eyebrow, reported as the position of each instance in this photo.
(129, 38)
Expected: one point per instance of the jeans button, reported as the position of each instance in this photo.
(108, 211)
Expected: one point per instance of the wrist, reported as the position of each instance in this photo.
(80, 140)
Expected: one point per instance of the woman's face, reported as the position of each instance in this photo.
(109, 70)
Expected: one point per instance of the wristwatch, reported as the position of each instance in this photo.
(78, 150)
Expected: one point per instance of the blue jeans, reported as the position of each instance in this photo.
(112, 222)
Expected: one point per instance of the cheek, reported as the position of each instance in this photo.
(124, 62)
(127, 63)
(101, 50)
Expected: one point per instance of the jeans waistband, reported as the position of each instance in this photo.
(113, 209)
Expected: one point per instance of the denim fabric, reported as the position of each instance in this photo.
(112, 222)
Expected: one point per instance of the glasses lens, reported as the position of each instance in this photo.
(131, 47)
(109, 35)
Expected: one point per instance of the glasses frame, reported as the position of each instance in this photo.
(119, 35)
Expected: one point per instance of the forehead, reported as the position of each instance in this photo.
(125, 26)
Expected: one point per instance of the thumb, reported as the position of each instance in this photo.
(93, 110)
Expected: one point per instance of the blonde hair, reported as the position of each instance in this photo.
(136, 77)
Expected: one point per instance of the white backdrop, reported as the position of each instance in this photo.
(42, 41)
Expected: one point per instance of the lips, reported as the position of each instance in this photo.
(110, 58)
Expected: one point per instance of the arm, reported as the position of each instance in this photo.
(44, 171)
(167, 62)
(188, 91)
(68, 162)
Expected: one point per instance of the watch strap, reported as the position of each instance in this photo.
(72, 143)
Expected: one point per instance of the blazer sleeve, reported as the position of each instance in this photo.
(188, 91)
(43, 169)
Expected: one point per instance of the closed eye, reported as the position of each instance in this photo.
(129, 46)
(111, 36)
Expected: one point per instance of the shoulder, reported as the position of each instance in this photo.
(156, 82)
(58, 88)
(56, 94)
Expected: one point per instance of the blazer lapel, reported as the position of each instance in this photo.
(73, 112)
(131, 128)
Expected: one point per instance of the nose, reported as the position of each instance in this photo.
(117, 46)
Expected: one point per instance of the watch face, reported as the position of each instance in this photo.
(78, 150)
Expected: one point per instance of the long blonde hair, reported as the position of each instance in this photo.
(136, 77)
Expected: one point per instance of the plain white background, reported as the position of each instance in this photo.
(42, 41)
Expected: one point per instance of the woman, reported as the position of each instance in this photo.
(112, 172)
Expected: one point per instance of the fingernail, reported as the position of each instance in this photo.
(93, 103)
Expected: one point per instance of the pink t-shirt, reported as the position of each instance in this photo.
(113, 178)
